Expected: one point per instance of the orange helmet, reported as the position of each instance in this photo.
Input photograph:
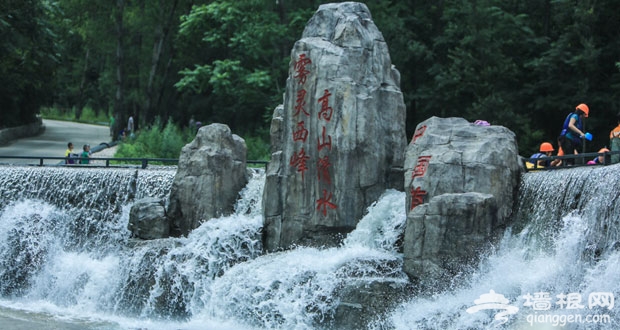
(546, 146)
(583, 107)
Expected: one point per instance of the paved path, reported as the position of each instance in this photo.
(53, 142)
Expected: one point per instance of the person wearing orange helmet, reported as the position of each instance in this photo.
(572, 133)
(600, 159)
(615, 133)
(546, 150)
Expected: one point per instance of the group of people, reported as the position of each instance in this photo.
(571, 138)
(74, 158)
(127, 131)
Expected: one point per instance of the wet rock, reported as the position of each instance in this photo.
(147, 219)
(462, 181)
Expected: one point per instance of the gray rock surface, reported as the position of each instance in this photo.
(361, 304)
(147, 219)
(446, 234)
(338, 140)
(210, 175)
(462, 181)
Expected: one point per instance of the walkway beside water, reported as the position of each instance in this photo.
(53, 142)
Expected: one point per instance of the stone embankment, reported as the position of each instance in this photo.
(12, 133)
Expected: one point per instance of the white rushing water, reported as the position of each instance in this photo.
(67, 262)
(73, 265)
(561, 269)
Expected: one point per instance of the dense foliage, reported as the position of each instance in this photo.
(521, 64)
(28, 59)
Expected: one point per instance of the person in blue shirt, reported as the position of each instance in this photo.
(572, 131)
(600, 159)
(546, 150)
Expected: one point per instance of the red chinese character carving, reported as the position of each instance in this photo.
(417, 197)
(301, 102)
(300, 68)
(326, 111)
(327, 141)
(301, 133)
(323, 168)
(299, 160)
(418, 133)
(323, 203)
(420, 168)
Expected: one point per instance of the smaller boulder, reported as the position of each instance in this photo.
(147, 219)
(447, 234)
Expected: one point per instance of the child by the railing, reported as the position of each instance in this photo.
(85, 154)
(600, 159)
(69, 155)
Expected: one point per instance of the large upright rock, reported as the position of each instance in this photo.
(211, 173)
(338, 140)
(462, 180)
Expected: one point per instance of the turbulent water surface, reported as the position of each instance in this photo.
(67, 260)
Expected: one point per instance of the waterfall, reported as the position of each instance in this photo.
(67, 259)
(66, 252)
(564, 241)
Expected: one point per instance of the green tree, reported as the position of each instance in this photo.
(575, 65)
(29, 59)
(243, 65)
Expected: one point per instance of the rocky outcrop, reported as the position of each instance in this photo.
(462, 181)
(360, 305)
(338, 140)
(147, 219)
(211, 173)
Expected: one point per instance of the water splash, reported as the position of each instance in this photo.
(384, 225)
(301, 289)
(563, 242)
(76, 260)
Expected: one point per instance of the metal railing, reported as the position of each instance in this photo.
(102, 161)
(579, 160)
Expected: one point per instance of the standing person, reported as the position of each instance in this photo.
(112, 127)
(130, 126)
(192, 124)
(85, 154)
(572, 131)
(614, 141)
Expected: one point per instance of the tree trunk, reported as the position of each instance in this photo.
(158, 45)
(81, 99)
(118, 98)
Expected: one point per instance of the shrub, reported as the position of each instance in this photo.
(154, 142)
